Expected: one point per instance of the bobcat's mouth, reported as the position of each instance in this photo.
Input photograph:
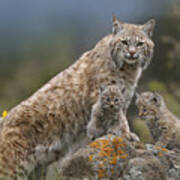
(131, 61)
(147, 117)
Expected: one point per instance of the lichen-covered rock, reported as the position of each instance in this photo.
(170, 160)
(104, 158)
(144, 167)
(116, 158)
(78, 166)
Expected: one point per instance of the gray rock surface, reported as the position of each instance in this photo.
(116, 158)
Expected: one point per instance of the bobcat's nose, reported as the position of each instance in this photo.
(131, 56)
(112, 106)
(132, 52)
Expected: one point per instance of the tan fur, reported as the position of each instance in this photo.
(106, 111)
(56, 116)
(163, 125)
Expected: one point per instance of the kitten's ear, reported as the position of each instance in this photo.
(148, 27)
(122, 86)
(156, 99)
(137, 98)
(102, 88)
(137, 95)
(117, 25)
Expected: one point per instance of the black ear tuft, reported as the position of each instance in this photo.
(156, 99)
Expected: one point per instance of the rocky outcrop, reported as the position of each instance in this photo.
(116, 158)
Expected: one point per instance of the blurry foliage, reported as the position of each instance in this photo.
(38, 61)
(142, 131)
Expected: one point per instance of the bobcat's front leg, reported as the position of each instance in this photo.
(165, 136)
(125, 130)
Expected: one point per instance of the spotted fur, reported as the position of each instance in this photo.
(56, 115)
(163, 125)
(106, 111)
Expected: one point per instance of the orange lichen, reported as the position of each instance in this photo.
(94, 144)
(161, 149)
(124, 156)
(104, 142)
(101, 173)
(102, 154)
(112, 171)
(158, 147)
(114, 160)
(104, 160)
(160, 154)
(118, 139)
(164, 150)
(122, 145)
(90, 157)
(108, 150)
(116, 142)
(120, 151)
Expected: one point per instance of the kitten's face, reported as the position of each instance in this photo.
(111, 98)
(148, 104)
(132, 44)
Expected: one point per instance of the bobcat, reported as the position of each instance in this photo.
(106, 111)
(56, 116)
(163, 125)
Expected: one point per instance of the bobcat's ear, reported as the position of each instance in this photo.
(137, 98)
(122, 86)
(156, 99)
(137, 95)
(148, 27)
(117, 25)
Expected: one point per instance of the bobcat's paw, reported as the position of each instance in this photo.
(91, 134)
(132, 136)
(94, 133)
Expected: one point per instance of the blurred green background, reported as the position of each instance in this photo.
(40, 38)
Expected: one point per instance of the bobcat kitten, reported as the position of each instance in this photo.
(106, 111)
(163, 125)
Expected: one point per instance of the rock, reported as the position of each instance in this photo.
(105, 158)
(116, 158)
(144, 167)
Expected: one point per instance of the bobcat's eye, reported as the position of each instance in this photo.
(140, 43)
(144, 110)
(116, 99)
(124, 42)
(164, 128)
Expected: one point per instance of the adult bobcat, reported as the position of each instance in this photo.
(56, 116)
